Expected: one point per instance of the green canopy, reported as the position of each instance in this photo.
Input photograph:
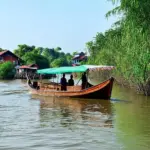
(61, 70)
(72, 69)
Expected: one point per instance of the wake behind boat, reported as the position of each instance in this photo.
(100, 91)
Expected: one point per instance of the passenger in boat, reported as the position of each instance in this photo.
(63, 83)
(71, 81)
(84, 80)
(29, 81)
(35, 85)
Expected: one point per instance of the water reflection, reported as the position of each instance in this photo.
(131, 119)
(74, 112)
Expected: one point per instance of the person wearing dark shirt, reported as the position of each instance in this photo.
(63, 83)
(84, 80)
(71, 81)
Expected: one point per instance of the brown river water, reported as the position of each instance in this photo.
(30, 122)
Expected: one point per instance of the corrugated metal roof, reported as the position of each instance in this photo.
(27, 67)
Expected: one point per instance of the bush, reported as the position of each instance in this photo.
(7, 70)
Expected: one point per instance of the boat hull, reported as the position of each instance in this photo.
(100, 91)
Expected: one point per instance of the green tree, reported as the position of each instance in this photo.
(7, 70)
(74, 53)
(59, 62)
(69, 58)
(43, 57)
(41, 61)
(1, 49)
(58, 49)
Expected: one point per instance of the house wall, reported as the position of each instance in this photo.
(10, 58)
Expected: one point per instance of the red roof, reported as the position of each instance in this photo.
(27, 67)
(82, 57)
(24, 67)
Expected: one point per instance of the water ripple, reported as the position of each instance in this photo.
(28, 122)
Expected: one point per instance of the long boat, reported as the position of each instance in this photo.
(100, 91)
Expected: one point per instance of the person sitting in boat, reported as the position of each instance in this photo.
(35, 85)
(71, 81)
(63, 83)
(84, 80)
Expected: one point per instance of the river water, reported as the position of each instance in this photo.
(29, 122)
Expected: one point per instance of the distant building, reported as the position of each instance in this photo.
(22, 71)
(9, 56)
(78, 58)
(27, 68)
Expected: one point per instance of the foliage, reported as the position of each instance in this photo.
(127, 44)
(74, 53)
(58, 49)
(32, 58)
(1, 49)
(7, 70)
(59, 62)
(43, 57)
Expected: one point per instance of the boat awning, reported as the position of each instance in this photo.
(73, 69)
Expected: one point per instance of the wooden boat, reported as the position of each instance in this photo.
(100, 91)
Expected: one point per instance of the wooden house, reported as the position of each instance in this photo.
(9, 56)
(78, 58)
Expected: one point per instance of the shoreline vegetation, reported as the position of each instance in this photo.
(7, 70)
(42, 57)
(126, 46)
